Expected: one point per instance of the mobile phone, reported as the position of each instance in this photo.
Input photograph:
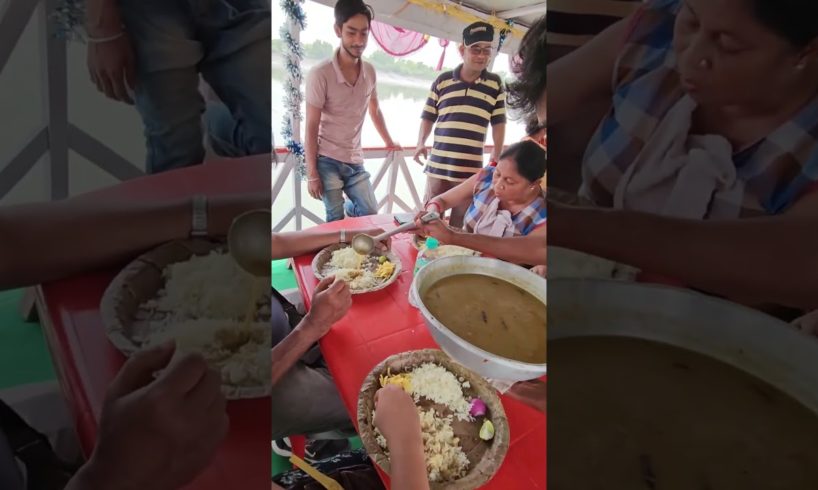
(403, 218)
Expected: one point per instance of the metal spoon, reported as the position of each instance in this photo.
(364, 244)
(249, 241)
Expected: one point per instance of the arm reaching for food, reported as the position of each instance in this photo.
(766, 260)
(398, 420)
(331, 302)
(297, 243)
(528, 249)
(48, 241)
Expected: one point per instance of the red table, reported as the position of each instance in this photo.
(86, 362)
(383, 323)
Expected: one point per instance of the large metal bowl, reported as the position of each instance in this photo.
(756, 343)
(478, 360)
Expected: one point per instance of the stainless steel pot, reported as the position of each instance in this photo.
(478, 360)
(756, 343)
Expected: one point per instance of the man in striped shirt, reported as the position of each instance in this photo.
(571, 23)
(462, 103)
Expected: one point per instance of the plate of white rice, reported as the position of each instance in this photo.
(457, 457)
(363, 273)
(194, 293)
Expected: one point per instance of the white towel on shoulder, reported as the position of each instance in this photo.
(495, 221)
(682, 175)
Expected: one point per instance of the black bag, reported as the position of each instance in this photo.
(292, 313)
(44, 470)
(352, 469)
(359, 477)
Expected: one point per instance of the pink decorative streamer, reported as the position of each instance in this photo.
(397, 41)
(444, 43)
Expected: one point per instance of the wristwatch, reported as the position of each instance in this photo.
(199, 220)
(343, 238)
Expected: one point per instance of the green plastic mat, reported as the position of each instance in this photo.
(24, 356)
(283, 278)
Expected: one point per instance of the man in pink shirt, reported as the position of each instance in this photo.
(339, 93)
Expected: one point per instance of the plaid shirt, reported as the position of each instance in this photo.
(525, 221)
(776, 171)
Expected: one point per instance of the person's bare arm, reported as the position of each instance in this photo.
(298, 243)
(111, 59)
(102, 18)
(569, 92)
(530, 249)
(397, 418)
(498, 136)
(287, 352)
(314, 185)
(331, 302)
(379, 122)
(311, 140)
(48, 241)
(408, 464)
(756, 260)
(426, 126)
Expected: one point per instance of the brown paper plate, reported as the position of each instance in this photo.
(128, 326)
(324, 256)
(485, 457)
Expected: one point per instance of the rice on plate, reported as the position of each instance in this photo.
(463, 424)
(197, 296)
(210, 305)
(363, 273)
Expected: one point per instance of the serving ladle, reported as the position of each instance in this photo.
(249, 240)
(365, 244)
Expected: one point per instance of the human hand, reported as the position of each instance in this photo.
(112, 68)
(315, 187)
(330, 303)
(421, 150)
(540, 270)
(438, 229)
(158, 433)
(396, 415)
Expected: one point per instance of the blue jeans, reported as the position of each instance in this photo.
(339, 178)
(227, 42)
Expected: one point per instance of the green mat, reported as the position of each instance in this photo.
(24, 356)
(283, 278)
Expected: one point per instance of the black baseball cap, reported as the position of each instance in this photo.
(478, 32)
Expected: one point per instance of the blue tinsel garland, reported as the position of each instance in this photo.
(292, 88)
(69, 17)
(504, 34)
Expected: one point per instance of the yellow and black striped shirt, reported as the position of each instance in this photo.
(462, 112)
(571, 23)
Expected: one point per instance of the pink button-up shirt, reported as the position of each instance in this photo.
(343, 108)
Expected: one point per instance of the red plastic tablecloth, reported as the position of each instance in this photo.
(383, 323)
(86, 362)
